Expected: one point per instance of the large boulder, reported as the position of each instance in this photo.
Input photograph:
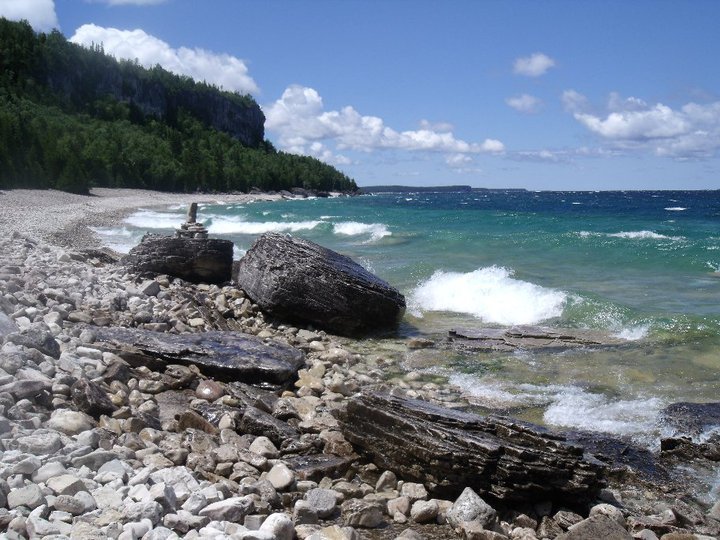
(198, 260)
(299, 281)
(447, 449)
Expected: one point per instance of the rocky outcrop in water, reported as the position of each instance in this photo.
(298, 280)
(199, 260)
(505, 459)
(529, 337)
(227, 355)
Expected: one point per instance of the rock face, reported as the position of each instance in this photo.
(228, 355)
(199, 260)
(298, 280)
(498, 457)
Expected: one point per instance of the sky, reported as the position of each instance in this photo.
(536, 94)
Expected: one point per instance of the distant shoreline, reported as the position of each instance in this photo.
(64, 219)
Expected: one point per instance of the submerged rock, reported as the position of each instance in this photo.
(199, 260)
(298, 280)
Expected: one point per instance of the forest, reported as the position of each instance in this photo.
(72, 118)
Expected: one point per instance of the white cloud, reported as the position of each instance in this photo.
(39, 13)
(300, 119)
(573, 101)
(436, 126)
(534, 65)
(457, 160)
(632, 124)
(524, 103)
(224, 70)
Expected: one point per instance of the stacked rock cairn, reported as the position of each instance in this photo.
(191, 228)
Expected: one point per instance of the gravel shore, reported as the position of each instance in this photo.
(63, 219)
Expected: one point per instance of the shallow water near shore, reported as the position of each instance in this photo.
(640, 266)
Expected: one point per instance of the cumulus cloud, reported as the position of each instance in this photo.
(223, 70)
(534, 65)
(299, 119)
(693, 130)
(524, 103)
(436, 126)
(39, 13)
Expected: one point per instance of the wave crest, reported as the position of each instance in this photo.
(355, 228)
(490, 294)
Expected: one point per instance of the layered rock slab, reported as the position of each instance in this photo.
(198, 260)
(448, 449)
(230, 356)
(300, 281)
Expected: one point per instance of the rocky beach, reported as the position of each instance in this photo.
(144, 406)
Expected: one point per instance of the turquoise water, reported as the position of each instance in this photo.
(641, 266)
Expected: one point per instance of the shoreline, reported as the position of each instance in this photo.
(64, 219)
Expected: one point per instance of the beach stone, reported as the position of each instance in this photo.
(567, 519)
(66, 484)
(608, 510)
(232, 509)
(70, 422)
(48, 470)
(69, 504)
(598, 526)
(278, 526)
(414, 491)
(264, 447)
(323, 501)
(40, 443)
(400, 504)
(298, 280)
(7, 326)
(90, 398)
(30, 496)
(334, 532)
(473, 530)
(424, 511)
(304, 513)
(281, 477)
(198, 260)
(386, 482)
(210, 390)
(362, 513)
(469, 506)
(36, 336)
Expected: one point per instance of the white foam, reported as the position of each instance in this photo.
(634, 333)
(675, 208)
(577, 408)
(642, 235)
(151, 219)
(235, 225)
(238, 253)
(355, 228)
(119, 239)
(490, 294)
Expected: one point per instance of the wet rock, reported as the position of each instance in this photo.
(210, 390)
(36, 336)
(509, 460)
(257, 422)
(298, 280)
(530, 337)
(691, 418)
(229, 355)
(198, 260)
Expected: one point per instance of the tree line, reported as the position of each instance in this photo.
(66, 124)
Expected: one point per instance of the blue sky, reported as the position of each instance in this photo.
(534, 94)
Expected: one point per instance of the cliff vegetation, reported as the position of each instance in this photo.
(74, 117)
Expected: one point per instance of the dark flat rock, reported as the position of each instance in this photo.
(230, 356)
(531, 337)
(691, 418)
(299, 281)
